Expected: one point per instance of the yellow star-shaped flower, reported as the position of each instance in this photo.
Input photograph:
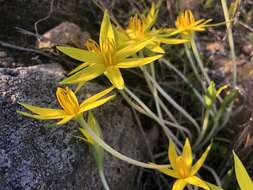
(69, 104)
(107, 57)
(142, 28)
(183, 170)
(187, 25)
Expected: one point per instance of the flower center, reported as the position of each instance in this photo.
(67, 100)
(106, 49)
(182, 168)
(135, 28)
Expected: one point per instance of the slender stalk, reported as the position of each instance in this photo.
(198, 59)
(195, 70)
(182, 76)
(203, 129)
(167, 132)
(175, 104)
(103, 179)
(230, 39)
(112, 151)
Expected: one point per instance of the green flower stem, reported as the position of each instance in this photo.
(199, 61)
(167, 132)
(230, 39)
(175, 104)
(182, 76)
(213, 131)
(112, 151)
(203, 129)
(158, 101)
(195, 70)
(103, 179)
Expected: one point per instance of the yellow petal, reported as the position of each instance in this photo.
(115, 77)
(212, 186)
(200, 162)
(170, 172)
(95, 104)
(242, 175)
(65, 119)
(156, 49)
(80, 54)
(179, 184)
(187, 153)
(96, 96)
(197, 182)
(172, 154)
(133, 48)
(137, 62)
(79, 67)
(43, 111)
(151, 18)
(172, 41)
(40, 117)
(85, 74)
(106, 30)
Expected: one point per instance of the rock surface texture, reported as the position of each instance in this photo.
(35, 157)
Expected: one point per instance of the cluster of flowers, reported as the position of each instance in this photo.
(122, 49)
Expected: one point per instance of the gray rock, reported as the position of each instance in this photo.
(35, 157)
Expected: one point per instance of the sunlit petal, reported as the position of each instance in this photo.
(197, 182)
(172, 154)
(85, 74)
(132, 48)
(242, 175)
(106, 30)
(65, 120)
(173, 41)
(187, 153)
(96, 96)
(79, 67)
(201, 161)
(179, 184)
(43, 111)
(80, 54)
(137, 62)
(114, 75)
(95, 104)
(41, 117)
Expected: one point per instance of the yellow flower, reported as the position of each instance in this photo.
(182, 168)
(186, 24)
(106, 57)
(242, 175)
(70, 106)
(143, 29)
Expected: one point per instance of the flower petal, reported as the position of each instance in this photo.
(96, 96)
(172, 154)
(80, 54)
(170, 172)
(106, 30)
(95, 104)
(187, 153)
(197, 182)
(173, 41)
(179, 184)
(137, 62)
(132, 48)
(65, 119)
(115, 77)
(41, 117)
(79, 67)
(201, 161)
(242, 175)
(85, 74)
(43, 111)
